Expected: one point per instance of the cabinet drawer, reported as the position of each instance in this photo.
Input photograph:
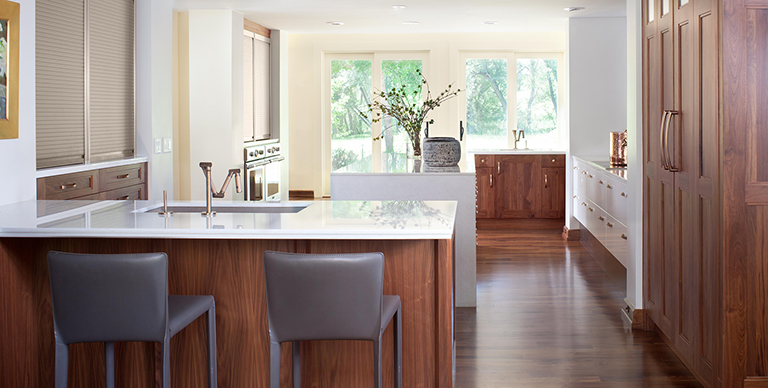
(132, 193)
(616, 239)
(595, 190)
(579, 179)
(596, 221)
(68, 186)
(552, 160)
(484, 161)
(616, 199)
(580, 209)
(123, 176)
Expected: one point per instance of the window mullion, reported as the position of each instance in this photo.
(376, 74)
(511, 99)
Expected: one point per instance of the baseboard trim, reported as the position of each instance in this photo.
(571, 234)
(756, 382)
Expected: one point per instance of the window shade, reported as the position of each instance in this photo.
(261, 85)
(248, 87)
(60, 82)
(111, 61)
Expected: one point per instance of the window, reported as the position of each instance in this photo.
(350, 81)
(512, 91)
(84, 81)
(257, 122)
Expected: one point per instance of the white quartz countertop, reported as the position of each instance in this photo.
(515, 152)
(339, 220)
(595, 161)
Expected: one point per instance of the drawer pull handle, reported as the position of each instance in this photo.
(608, 186)
(124, 176)
(123, 198)
(498, 167)
(575, 197)
(554, 160)
(482, 160)
(575, 167)
(610, 225)
(623, 194)
(583, 204)
(491, 180)
(590, 175)
(601, 218)
(546, 181)
(624, 236)
(590, 209)
(69, 186)
(584, 172)
(600, 182)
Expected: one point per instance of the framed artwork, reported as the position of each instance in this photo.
(9, 70)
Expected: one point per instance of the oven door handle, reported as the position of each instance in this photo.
(263, 162)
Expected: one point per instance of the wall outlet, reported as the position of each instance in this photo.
(167, 145)
(158, 145)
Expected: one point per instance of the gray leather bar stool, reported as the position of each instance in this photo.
(329, 297)
(115, 298)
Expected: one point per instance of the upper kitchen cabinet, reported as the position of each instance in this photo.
(257, 90)
(84, 81)
(520, 186)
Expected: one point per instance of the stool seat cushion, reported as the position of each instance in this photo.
(390, 306)
(183, 309)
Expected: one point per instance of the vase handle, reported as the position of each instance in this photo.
(461, 130)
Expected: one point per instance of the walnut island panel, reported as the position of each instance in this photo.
(222, 257)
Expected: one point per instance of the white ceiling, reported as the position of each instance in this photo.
(378, 16)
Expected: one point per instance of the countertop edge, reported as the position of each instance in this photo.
(226, 235)
(590, 160)
(54, 171)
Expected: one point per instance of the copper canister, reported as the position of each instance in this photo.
(618, 149)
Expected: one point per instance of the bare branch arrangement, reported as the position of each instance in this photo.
(407, 108)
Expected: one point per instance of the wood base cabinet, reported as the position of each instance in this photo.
(108, 184)
(520, 186)
(705, 205)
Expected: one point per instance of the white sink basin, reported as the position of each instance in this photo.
(276, 207)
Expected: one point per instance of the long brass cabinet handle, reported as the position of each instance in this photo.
(662, 147)
(69, 186)
(498, 167)
(671, 155)
(491, 180)
(124, 176)
(546, 182)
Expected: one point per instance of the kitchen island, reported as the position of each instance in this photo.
(222, 256)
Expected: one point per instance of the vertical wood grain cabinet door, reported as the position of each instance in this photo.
(520, 186)
(486, 196)
(553, 192)
(681, 159)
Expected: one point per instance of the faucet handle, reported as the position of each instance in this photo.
(206, 164)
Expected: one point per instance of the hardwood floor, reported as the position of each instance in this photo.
(548, 316)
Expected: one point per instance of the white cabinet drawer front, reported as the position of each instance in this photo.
(616, 239)
(595, 187)
(580, 209)
(579, 178)
(596, 221)
(616, 199)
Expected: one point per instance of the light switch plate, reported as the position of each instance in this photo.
(167, 145)
(158, 145)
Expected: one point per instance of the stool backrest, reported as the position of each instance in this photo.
(109, 298)
(324, 297)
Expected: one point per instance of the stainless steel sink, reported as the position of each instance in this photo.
(229, 208)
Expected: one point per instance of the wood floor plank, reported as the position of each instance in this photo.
(548, 316)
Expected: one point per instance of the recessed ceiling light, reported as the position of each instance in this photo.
(571, 9)
(398, 6)
(410, 23)
(491, 22)
(335, 23)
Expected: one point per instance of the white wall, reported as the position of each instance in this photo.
(17, 156)
(306, 54)
(212, 55)
(635, 152)
(154, 90)
(280, 101)
(597, 62)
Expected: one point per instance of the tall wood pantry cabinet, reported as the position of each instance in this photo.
(705, 204)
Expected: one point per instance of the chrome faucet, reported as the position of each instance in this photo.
(210, 189)
(518, 135)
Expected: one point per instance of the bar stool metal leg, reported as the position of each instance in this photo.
(109, 363)
(398, 349)
(167, 361)
(296, 364)
(62, 364)
(274, 365)
(377, 383)
(212, 373)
